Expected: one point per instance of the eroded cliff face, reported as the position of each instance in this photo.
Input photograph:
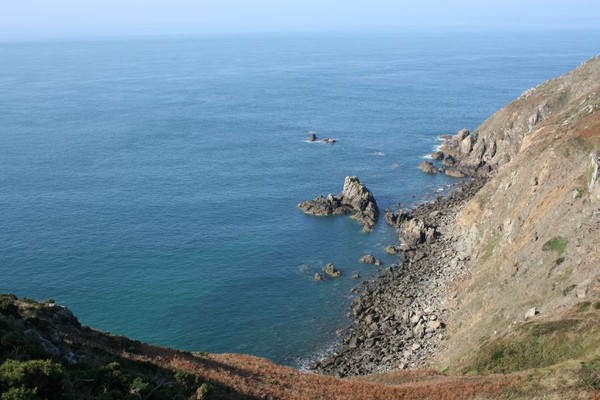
(558, 102)
(533, 231)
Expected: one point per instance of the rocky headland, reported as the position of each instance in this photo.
(354, 199)
(514, 248)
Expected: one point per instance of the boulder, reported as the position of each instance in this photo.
(427, 167)
(454, 173)
(312, 136)
(390, 249)
(318, 277)
(329, 141)
(367, 259)
(356, 275)
(332, 271)
(531, 313)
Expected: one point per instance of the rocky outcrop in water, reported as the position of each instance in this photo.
(355, 199)
(428, 167)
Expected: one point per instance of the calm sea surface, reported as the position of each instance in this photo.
(151, 185)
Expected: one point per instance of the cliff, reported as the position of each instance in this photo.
(532, 232)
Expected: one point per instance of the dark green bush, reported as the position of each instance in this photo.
(42, 376)
(20, 393)
(8, 307)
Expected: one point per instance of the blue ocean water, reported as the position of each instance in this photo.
(151, 184)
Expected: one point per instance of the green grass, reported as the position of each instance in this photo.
(537, 345)
(492, 243)
(557, 244)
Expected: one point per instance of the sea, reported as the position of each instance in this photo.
(151, 184)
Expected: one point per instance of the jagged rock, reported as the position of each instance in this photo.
(367, 259)
(466, 145)
(461, 135)
(427, 167)
(329, 141)
(318, 277)
(438, 155)
(355, 198)
(312, 136)
(356, 275)
(395, 219)
(390, 249)
(449, 161)
(332, 271)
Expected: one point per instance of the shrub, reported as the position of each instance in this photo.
(204, 391)
(557, 244)
(42, 376)
(8, 307)
(187, 379)
(137, 386)
(20, 393)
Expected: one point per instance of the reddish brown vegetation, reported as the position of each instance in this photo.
(252, 377)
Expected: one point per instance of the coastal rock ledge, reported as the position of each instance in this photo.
(355, 198)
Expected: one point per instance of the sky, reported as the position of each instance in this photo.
(73, 18)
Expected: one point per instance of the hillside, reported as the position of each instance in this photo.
(532, 231)
(523, 320)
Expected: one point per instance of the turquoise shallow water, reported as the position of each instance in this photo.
(151, 185)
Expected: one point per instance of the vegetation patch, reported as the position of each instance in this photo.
(589, 375)
(557, 244)
(539, 344)
(491, 245)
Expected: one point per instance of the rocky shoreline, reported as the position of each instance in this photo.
(399, 316)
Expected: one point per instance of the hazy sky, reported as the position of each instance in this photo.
(122, 17)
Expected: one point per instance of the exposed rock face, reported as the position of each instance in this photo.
(509, 131)
(428, 167)
(355, 198)
(438, 155)
(449, 161)
(395, 219)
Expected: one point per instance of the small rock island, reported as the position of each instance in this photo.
(355, 198)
